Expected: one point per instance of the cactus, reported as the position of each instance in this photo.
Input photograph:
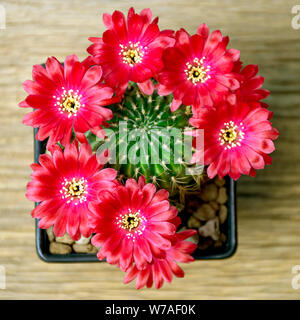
(149, 123)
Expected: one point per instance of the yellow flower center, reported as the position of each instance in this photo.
(231, 135)
(69, 102)
(74, 190)
(132, 53)
(196, 71)
(132, 222)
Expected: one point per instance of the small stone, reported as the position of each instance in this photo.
(84, 240)
(218, 243)
(210, 229)
(205, 212)
(214, 205)
(219, 182)
(222, 196)
(193, 222)
(223, 237)
(59, 248)
(84, 248)
(223, 214)
(209, 193)
(205, 179)
(65, 239)
(50, 234)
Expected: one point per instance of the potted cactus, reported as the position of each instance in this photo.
(137, 148)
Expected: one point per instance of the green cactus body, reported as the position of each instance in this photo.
(141, 140)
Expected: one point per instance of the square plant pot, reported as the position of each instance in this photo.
(225, 250)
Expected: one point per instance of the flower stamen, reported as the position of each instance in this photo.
(74, 190)
(197, 71)
(132, 222)
(132, 53)
(231, 135)
(69, 102)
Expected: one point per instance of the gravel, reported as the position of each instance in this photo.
(206, 212)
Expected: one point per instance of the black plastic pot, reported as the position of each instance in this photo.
(229, 228)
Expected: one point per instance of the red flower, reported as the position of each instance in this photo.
(163, 264)
(65, 183)
(250, 91)
(65, 98)
(237, 139)
(130, 50)
(198, 69)
(130, 222)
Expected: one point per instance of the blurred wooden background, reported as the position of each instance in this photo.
(268, 206)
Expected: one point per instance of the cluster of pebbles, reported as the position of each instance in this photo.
(65, 245)
(206, 212)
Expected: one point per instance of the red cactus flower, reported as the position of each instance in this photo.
(130, 221)
(250, 90)
(65, 183)
(163, 264)
(237, 139)
(198, 69)
(130, 50)
(65, 98)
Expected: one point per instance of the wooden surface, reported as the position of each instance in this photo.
(268, 206)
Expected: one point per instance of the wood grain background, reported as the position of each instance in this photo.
(268, 206)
